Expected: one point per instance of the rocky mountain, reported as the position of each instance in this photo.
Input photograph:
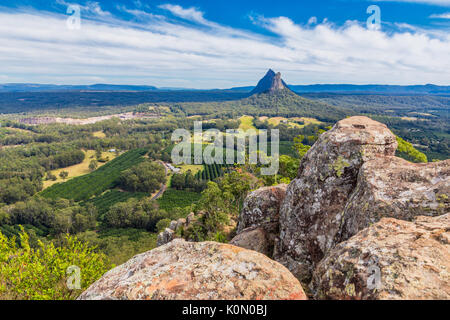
(270, 83)
(356, 223)
(272, 97)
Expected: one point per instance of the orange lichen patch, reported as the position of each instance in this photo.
(197, 271)
(299, 295)
(234, 249)
(175, 285)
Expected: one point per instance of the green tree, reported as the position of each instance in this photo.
(93, 165)
(64, 175)
(407, 151)
(43, 273)
(145, 177)
(299, 147)
(288, 166)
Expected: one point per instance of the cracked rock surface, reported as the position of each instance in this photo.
(310, 215)
(392, 259)
(197, 271)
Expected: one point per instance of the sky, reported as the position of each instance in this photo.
(207, 44)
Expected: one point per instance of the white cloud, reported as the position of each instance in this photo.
(443, 3)
(191, 14)
(38, 47)
(441, 16)
(312, 20)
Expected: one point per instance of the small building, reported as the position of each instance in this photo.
(173, 169)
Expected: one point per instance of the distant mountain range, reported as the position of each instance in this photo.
(32, 87)
(271, 97)
(428, 89)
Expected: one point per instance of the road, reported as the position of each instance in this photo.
(164, 187)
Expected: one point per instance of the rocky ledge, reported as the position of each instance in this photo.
(183, 270)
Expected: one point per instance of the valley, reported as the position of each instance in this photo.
(104, 173)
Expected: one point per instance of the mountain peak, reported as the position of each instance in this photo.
(270, 83)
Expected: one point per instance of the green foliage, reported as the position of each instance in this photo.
(93, 165)
(64, 175)
(408, 152)
(95, 183)
(177, 199)
(145, 177)
(42, 273)
(163, 224)
(187, 181)
(300, 147)
(219, 202)
(288, 167)
(120, 245)
(139, 214)
(284, 104)
(60, 215)
(111, 197)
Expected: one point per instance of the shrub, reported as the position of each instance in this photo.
(42, 273)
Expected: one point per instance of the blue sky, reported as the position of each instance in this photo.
(224, 43)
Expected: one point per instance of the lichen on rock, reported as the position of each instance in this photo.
(310, 215)
(183, 270)
(392, 259)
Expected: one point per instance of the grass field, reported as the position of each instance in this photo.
(193, 167)
(177, 199)
(291, 121)
(78, 169)
(99, 134)
(95, 183)
(246, 123)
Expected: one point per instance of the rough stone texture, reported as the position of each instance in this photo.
(190, 218)
(181, 223)
(173, 225)
(261, 209)
(255, 239)
(165, 237)
(393, 187)
(197, 271)
(310, 213)
(270, 83)
(412, 259)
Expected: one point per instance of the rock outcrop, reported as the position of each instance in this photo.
(393, 187)
(256, 239)
(170, 233)
(392, 259)
(197, 271)
(260, 217)
(165, 237)
(347, 181)
(270, 83)
(310, 216)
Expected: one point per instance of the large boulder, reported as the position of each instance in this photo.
(261, 208)
(255, 239)
(392, 259)
(310, 215)
(197, 271)
(261, 211)
(393, 187)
